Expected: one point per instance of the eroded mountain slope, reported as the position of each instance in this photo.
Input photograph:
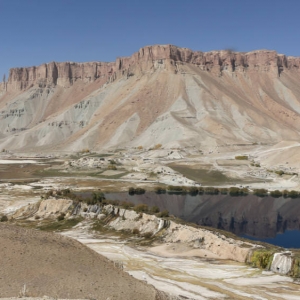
(161, 94)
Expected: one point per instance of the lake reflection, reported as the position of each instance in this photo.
(251, 216)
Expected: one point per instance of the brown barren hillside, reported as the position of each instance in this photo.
(161, 94)
(59, 267)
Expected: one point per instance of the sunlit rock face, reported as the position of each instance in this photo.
(161, 94)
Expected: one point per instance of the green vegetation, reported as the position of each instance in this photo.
(154, 209)
(147, 235)
(280, 172)
(295, 271)
(224, 191)
(4, 219)
(193, 191)
(141, 208)
(156, 147)
(59, 225)
(176, 189)
(262, 259)
(126, 205)
(260, 192)
(137, 191)
(111, 167)
(276, 194)
(211, 191)
(163, 214)
(135, 231)
(293, 194)
(235, 191)
(206, 177)
(241, 157)
(160, 190)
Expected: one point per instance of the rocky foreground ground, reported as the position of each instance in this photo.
(59, 267)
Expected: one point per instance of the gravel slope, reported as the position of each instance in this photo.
(60, 267)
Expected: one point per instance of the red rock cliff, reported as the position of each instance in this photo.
(65, 74)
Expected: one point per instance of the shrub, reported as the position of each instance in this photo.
(163, 214)
(280, 172)
(111, 167)
(141, 208)
(154, 209)
(139, 191)
(200, 190)
(176, 189)
(260, 192)
(159, 190)
(193, 191)
(285, 193)
(61, 217)
(224, 191)
(244, 191)
(98, 196)
(157, 146)
(66, 192)
(135, 231)
(241, 157)
(49, 194)
(293, 194)
(131, 191)
(37, 217)
(4, 219)
(113, 202)
(147, 235)
(262, 259)
(234, 191)
(211, 191)
(276, 193)
(126, 204)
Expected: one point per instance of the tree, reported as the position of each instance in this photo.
(4, 78)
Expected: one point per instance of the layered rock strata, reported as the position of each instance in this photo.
(66, 73)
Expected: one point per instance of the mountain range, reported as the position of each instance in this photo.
(162, 94)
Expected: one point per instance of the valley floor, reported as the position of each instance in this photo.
(189, 277)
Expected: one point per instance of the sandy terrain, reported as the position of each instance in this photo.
(60, 267)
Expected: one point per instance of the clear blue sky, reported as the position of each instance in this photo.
(38, 31)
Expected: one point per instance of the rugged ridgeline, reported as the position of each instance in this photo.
(161, 94)
(66, 73)
(200, 241)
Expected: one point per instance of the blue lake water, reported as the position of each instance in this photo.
(287, 239)
(272, 220)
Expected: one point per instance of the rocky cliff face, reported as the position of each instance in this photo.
(66, 73)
